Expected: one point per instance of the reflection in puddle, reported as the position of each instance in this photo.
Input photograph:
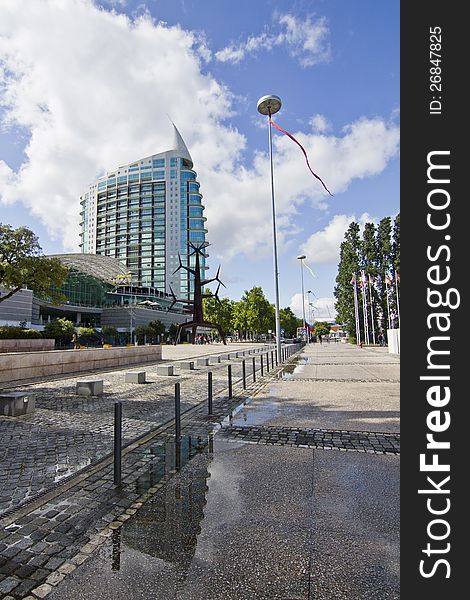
(295, 367)
(166, 527)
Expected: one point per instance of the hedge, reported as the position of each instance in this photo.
(11, 332)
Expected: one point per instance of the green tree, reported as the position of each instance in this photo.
(253, 314)
(289, 322)
(60, 329)
(172, 330)
(23, 265)
(369, 264)
(158, 329)
(88, 336)
(322, 328)
(110, 334)
(396, 244)
(384, 265)
(219, 312)
(143, 333)
(348, 266)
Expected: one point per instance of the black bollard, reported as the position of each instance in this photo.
(244, 374)
(209, 392)
(117, 442)
(267, 362)
(272, 359)
(177, 411)
(262, 372)
(229, 369)
(254, 369)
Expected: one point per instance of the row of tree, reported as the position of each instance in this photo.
(377, 255)
(63, 331)
(253, 315)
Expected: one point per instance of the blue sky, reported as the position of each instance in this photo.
(86, 87)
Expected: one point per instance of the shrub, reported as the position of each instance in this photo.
(60, 330)
(88, 336)
(11, 332)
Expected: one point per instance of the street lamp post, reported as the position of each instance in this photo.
(269, 105)
(310, 309)
(301, 258)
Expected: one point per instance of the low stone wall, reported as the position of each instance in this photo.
(33, 345)
(26, 365)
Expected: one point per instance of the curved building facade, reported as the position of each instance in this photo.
(144, 214)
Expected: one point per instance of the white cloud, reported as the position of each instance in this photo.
(323, 309)
(306, 40)
(78, 80)
(324, 246)
(319, 123)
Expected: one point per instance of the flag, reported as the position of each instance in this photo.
(303, 150)
(397, 276)
(387, 280)
(371, 279)
(353, 279)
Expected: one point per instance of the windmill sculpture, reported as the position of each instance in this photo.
(196, 303)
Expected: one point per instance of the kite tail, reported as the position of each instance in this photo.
(303, 150)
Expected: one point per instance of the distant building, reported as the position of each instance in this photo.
(144, 214)
(98, 292)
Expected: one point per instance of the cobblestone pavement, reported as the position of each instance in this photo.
(359, 441)
(49, 537)
(67, 432)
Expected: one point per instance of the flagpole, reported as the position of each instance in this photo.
(372, 311)
(356, 310)
(364, 306)
(388, 304)
(398, 298)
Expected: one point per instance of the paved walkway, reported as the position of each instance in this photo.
(68, 432)
(272, 516)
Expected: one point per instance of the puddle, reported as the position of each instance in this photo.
(167, 457)
(66, 469)
(294, 368)
(258, 414)
(161, 538)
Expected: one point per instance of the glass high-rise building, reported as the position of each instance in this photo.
(145, 214)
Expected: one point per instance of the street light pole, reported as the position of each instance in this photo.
(301, 258)
(310, 311)
(269, 105)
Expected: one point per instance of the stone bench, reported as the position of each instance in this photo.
(16, 404)
(90, 387)
(135, 377)
(202, 362)
(187, 365)
(166, 370)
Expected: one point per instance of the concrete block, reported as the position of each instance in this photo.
(214, 360)
(186, 365)
(165, 370)
(16, 404)
(202, 362)
(89, 387)
(135, 377)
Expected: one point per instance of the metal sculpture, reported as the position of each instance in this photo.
(199, 295)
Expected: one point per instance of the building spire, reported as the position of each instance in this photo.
(180, 147)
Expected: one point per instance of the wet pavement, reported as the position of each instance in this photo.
(278, 515)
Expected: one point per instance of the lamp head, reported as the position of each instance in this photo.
(301, 257)
(268, 105)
